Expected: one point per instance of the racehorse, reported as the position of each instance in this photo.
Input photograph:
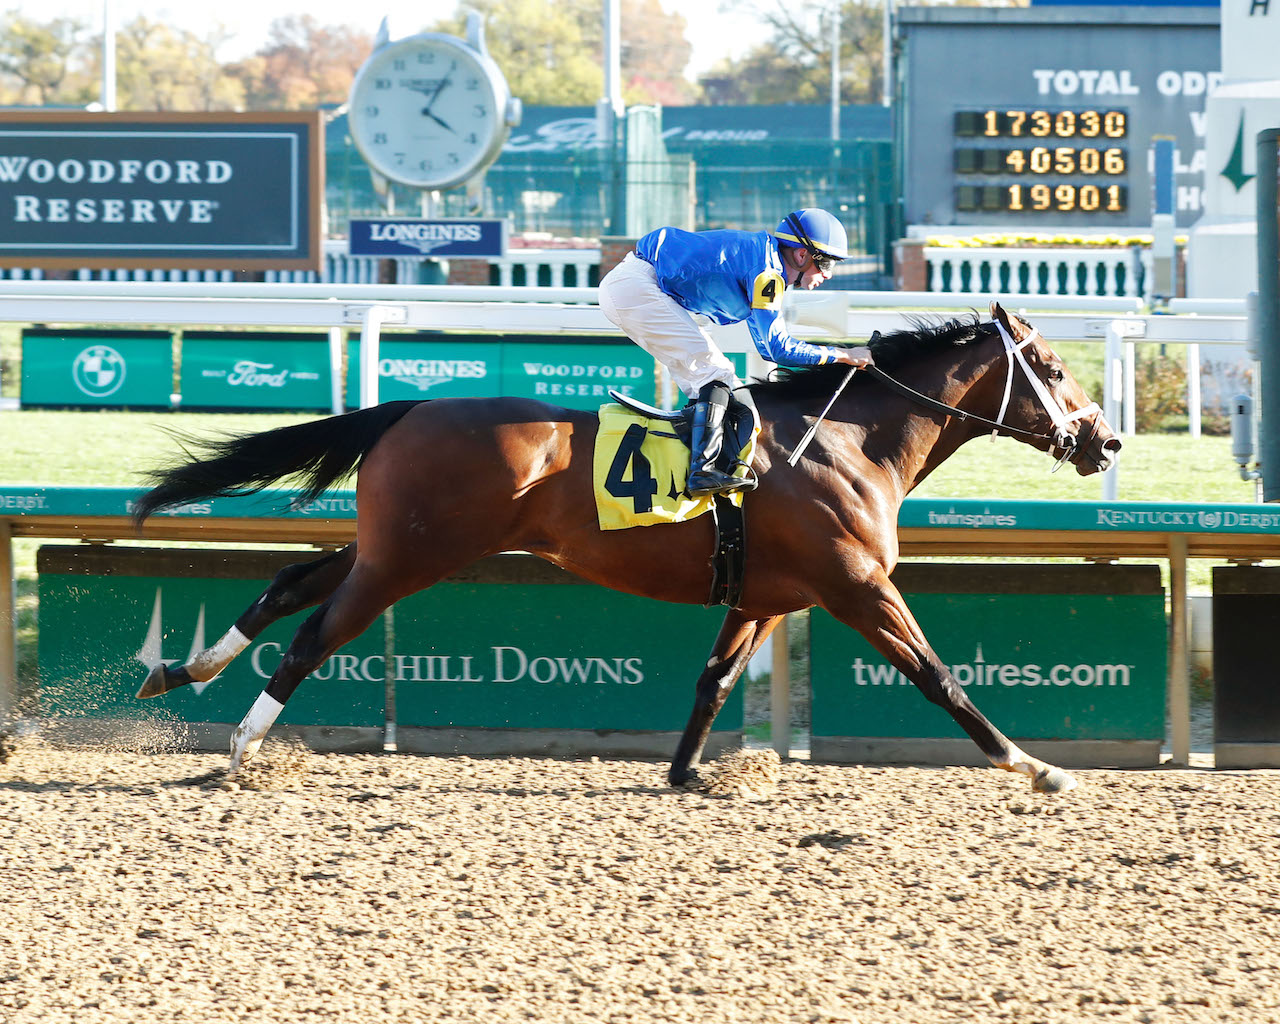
(444, 483)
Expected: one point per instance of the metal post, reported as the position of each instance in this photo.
(780, 690)
(108, 57)
(1179, 672)
(335, 370)
(1193, 389)
(8, 627)
(370, 331)
(835, 71)
(1112, 389)
(1268, 410)
(1130, 389)
(887, 32)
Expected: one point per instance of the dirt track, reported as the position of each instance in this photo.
(136, 887)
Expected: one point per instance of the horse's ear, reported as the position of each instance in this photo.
(998, 313)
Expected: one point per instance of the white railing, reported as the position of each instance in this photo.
(527, 265)
(1119, 271)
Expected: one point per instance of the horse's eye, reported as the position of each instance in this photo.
(1055, 375)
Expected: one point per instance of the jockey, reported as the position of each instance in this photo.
(727, 276)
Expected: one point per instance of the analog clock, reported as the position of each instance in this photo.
(429, 110)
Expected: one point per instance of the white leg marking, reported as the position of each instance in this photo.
(206, 665)
(250, 733)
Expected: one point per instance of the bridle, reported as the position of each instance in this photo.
(1073, 447)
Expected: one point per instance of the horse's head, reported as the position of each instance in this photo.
(1042, 396)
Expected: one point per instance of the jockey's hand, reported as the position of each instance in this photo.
(858, 356)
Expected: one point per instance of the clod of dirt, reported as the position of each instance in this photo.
(281, 764)
(746, 773)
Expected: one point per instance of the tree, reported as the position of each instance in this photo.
(159, 67)
(794, 66)
(38, 60)
(542, 48)
(303, 64)
(552, 52)
(655, 52)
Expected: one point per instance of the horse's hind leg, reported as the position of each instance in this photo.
(358, 600)
(738, 640)
(294, 588)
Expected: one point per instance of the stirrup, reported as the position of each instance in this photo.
(725, 484)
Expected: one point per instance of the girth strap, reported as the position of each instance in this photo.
(728, 563)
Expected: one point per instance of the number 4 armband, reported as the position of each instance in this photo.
(766, 290)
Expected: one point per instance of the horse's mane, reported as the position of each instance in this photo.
(890, 351)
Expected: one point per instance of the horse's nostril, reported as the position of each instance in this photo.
(1112, 444)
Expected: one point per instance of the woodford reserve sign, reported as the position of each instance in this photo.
(216, 191)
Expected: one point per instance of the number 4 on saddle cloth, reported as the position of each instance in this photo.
(639, 470)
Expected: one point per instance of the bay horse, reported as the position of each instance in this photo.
(444, 483)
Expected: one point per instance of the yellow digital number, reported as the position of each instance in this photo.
(766, 292)
(1113, 161)
(1016, 161)
(1064, 198)
(1041, 123)
(1114, 124)
(1090, 123)
(1064, 125)
(1017, 118)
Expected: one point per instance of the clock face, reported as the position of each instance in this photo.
(428, 111)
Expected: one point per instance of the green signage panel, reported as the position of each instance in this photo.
(430, 365)
(241, 369)
(577, 375)
(91, 663)
(1039, 665)
(550, 656)
(96, 367)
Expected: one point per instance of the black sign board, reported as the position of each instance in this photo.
(220, 191)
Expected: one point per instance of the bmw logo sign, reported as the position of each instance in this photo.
(99, 371)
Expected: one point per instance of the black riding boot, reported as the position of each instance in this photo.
(708, 435)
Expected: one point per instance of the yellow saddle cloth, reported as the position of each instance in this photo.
(640, 468)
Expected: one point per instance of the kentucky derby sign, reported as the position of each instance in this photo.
(435, 239)
(217, 191)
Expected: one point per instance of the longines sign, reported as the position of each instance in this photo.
(219, 191)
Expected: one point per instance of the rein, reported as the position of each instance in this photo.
(1061, 437)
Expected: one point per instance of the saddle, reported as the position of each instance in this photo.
(728, 560)
(740, 422)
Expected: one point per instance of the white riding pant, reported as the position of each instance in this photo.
(631, 299)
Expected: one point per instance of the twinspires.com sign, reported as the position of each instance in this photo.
(233, 191)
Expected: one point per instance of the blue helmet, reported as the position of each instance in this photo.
(815, 230)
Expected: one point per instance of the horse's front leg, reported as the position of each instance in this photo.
(877, 610)
(738, 640)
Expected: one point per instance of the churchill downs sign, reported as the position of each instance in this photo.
(237, 191)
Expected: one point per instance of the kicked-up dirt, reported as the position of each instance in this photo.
(143, 887)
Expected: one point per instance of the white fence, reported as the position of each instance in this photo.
(1039, 271)
(520, 267)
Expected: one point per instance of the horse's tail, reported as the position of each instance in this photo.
(319, 453)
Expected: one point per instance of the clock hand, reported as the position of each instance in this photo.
(447, 127)
(440, 85)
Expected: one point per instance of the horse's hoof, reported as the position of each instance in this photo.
(1053, 780)
(684, 780)
(155, 683)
